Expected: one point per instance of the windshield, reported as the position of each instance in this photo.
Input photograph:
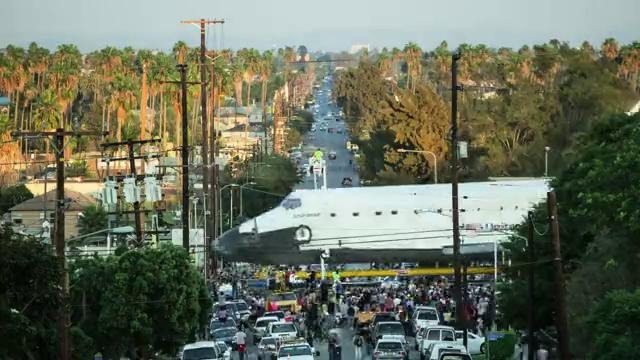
(242, 307)
(223, 346)
(427, 315)
(224, 333)
(268, 341)
(264, 323)
(295, 350)
(390, 329)
(389, 346)
(281, 328)
(384, 317)
(200, 353)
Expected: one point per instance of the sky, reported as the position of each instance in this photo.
(329, 25)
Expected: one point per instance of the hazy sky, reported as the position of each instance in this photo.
(325, 25)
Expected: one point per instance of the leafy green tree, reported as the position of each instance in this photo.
(94, 218)
(12, 196)
(140, 302)
(615, 323)
(597, 204)
(29, 297)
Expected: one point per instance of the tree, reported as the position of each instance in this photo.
(140, 302)
(615, 323)
(12, 196)
(93, 219)
(29, 297)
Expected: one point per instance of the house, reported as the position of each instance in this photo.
(28, 217)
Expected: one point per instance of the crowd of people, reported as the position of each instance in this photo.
(325, 305)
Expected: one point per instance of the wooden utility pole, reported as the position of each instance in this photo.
(561, 301)
(185, 157)
(64, 316)
(132, 157)
(205, 132)
(454, 191)
(531, 312)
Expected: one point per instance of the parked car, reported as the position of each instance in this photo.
(282, 330)
(217, 324)
(389, 330)
(424, 317)
(260, 328)
(475, 344)
(437, 350)
(226, 335)
(390, 349)
(201, 350)
(267, 348)
(435, 334)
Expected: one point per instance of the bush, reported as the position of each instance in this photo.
(78, 168)
(502, 349)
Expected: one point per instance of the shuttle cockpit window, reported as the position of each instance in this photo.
(291, 203)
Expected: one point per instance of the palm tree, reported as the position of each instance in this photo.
(413, 54)
(609, 49)
(265, 67)
(48, 113)
(64, 75)
(385, 63)
(237, 73)
(124, 96)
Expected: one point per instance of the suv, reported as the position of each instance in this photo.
(437, 351)
(389, 330)
(267, 348)
(202, 350)
(422, 318)
(435, 334)
(382, 316)
(390, 349)
(242, 310)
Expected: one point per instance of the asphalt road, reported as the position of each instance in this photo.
(348, 351)
(339, 168)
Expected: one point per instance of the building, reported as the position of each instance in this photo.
(28, 217)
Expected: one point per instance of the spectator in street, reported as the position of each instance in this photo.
(241, 339)
(358, 343)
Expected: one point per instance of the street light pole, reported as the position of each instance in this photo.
(546, 161)
(435, 160)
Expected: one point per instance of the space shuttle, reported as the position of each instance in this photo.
(411, 223)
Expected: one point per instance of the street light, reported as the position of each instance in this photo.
(231, 201)
(435, 160)
(546, 161)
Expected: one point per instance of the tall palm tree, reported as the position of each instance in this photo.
(64, 75)
(609, 49)
(237, 73)
(413, 55)
(265, 68)
(48, 113)
(124, 96)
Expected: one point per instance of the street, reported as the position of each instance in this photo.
(339, 168)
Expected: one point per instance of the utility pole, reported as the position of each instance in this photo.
(132, 157)
(531, 317)
(561, 302)
(185, 157)
(454, 192)
(205, 126)
(64, 316)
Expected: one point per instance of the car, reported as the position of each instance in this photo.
(423, 317)
(435, 334)
(278, 314)
(389, 330)
(437, 350)
(299, 351)
(232, 311)
(390, 349)
(381, 316)
(333, 155)
(283, 330)
(268, 347)
(339, 131)
(227, 335)
(201, 350)
(243, 310)
(260, 327)
(225, 349)
(475, 344)
(217, 324)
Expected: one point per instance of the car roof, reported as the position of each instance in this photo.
(440, 327)
(389, 340)
(199, 344)
(449, 346)
(268, 318)
(225, 328)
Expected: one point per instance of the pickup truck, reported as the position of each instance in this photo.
(435, 334)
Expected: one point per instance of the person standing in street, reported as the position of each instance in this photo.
(358, 342)
(241, 343)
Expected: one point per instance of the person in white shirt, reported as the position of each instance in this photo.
(241, 341)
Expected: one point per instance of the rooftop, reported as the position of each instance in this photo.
(75, 202)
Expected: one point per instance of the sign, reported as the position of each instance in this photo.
(494, 336)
